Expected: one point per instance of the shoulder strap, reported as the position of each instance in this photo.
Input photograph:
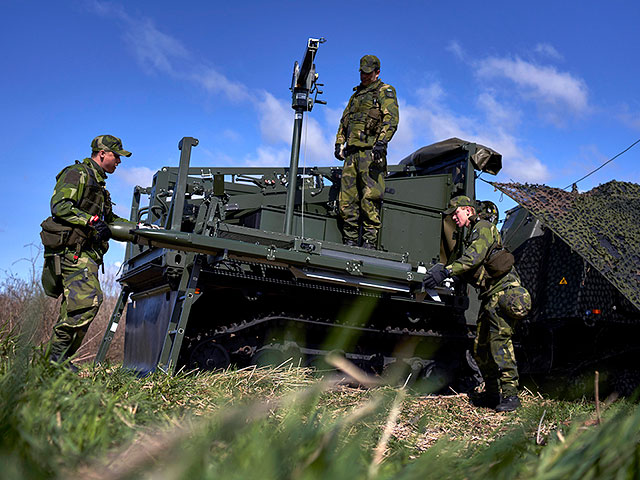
(89, 171)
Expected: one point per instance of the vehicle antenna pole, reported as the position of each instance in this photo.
(303, 85)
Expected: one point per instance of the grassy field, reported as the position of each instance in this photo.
(288, 422)
(277, 422)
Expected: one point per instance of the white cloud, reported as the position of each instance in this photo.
(158, 52)
(332, 117)
(122, 211)
(215, 82)
(427, 120)
(548, 50)
(276, 126)
(455, 48)
(154, 50)
(497, 113)
(232, 135)
(629, 117)
(276, 119)
(431, 120)
(518, 162)
(432, 94)
(207, 158)
(133, 176)
(544, 84)
(269, 157)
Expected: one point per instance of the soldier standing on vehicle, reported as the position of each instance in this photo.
(486, 265)
(367, 125)
(75, 238)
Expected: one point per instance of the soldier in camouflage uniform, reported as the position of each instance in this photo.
(75, 238)
(367, 125)
(504, 301)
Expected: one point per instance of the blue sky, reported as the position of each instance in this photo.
(553, 86)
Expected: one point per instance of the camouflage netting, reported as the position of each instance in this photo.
(600, 225)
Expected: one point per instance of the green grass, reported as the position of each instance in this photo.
(287, 423)
(273, 423)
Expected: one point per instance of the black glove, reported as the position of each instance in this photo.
(435, 276)
(338, 152)
(379, 151)
(104, 233)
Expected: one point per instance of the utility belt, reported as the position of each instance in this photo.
(57, 236)
(350, 149)
(378, 164)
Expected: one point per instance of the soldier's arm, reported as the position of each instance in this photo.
(111, 217)
(67, 194)
(482, 240)
(390, 113)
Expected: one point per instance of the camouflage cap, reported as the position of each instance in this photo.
(459, 201)
(369, 63)
(109, 143)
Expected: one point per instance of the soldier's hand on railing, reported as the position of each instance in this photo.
(149, 225)
(435, 276)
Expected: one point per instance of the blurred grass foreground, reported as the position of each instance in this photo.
(274, 422)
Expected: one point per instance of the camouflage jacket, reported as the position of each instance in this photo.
(79, 194)
(371, 115)
(481, 238)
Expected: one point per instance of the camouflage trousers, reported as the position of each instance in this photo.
(493, 348)
(81, 299)
(361, 191)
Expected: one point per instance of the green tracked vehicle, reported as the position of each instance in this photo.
(222, 284)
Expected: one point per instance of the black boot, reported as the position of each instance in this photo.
(369, 246)
(62, 360)
(350, 243)
(508, 404)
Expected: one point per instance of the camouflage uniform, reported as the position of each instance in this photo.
(370, 118)
(504, 301)
(72, 260)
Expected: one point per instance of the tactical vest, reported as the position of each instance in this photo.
(57, 234)
(498, 262)
(364, 120)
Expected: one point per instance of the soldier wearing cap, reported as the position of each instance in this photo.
(75, 238)
(486, 265)
(366, 127)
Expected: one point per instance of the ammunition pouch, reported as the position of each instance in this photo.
(499, 262)
(52, 276)
(364, 120)
(56, 235)
(372, 122)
